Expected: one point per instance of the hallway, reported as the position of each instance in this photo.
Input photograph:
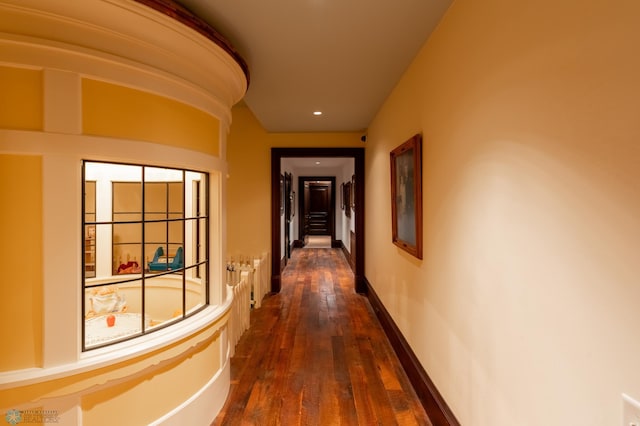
(315, 354)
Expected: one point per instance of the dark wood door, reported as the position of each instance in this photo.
(318, 208)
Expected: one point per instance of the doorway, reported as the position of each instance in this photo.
(317, 207)
(277, 200)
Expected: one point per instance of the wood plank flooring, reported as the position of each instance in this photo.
(315, 354)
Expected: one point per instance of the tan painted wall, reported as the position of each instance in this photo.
(21, 251)
(21, 103)
(121, 112)
(249, 186)
(525, 308)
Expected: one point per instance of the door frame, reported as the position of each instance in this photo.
(301, 200)
(277, 154)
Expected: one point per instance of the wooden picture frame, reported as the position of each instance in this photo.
(353, 192)
(287, 191)
(347, 199)
(342, 196)
(406, 196)
(281, 194)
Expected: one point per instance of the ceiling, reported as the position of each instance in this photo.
(341, 57)
(334, 164)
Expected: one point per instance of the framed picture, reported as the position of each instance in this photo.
(342, 196)
(281, 194)
(406, 196)
(353, 192)
(287, 192)
(347, 199)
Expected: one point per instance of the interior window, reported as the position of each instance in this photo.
(145, 263)
(90, 230)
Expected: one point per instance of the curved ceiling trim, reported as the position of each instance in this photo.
(188, 18)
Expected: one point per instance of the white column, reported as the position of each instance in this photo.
(61, 211)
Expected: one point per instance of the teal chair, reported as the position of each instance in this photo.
(178, 260)
(154, 263)
(158, 264)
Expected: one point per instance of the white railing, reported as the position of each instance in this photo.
(240, 311)
(247, 283)
(261, 281)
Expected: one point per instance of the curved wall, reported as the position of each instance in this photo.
(120, 112)
(104, 80)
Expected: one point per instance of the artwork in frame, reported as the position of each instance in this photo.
(353, 192)
(288, 196)
(347, 199)
(342, 196)
(406, 196)
(281, 194)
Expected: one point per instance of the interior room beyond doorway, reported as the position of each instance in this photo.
(317, 241)
(290, 169)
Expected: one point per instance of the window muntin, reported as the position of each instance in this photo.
(89, 246)
(134, 211)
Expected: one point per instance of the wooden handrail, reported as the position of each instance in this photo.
(191, 20)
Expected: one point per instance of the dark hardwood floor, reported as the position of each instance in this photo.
(315, 354)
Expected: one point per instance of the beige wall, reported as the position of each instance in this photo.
(21, 104)
(525, 308)
(122, 112)
(249, 179)
(21, 280)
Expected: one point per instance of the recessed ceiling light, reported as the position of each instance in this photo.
(317, 163)
(317, 112)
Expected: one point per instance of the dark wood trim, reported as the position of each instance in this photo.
(344, 250)
(301, 197)
(183, 15)
(353, 244)
(298, 244)
(346, 254)
(436, 407)
(361, 284)
(358, 156)
(276, 265)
